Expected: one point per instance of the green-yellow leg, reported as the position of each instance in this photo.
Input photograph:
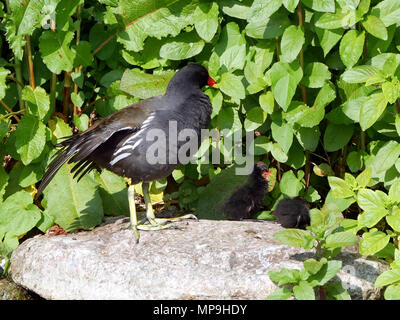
(132, 211)
(154, 223)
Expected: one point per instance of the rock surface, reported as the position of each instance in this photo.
(204, 260)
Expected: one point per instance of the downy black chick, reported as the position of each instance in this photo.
(292, 213)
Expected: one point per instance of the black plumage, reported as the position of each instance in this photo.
(247, 200)
(120, 143)
(292, 213)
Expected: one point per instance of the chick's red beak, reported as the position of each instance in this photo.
(212, 83)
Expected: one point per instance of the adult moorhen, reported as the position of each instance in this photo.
(119, 142)
(245, 202)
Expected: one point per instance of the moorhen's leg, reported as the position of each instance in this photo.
(132, 210)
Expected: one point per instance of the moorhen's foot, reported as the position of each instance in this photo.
(186, 216)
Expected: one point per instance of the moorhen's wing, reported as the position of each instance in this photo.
(81, 147)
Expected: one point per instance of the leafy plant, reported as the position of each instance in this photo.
(326, 236)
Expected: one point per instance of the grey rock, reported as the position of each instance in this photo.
(201, 260)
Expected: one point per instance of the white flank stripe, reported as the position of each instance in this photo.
(120, 157)
(137, 143)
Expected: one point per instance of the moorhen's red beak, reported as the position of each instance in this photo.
(211, 82)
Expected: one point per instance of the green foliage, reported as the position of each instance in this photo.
(319, 81)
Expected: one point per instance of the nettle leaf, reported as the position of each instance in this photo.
(206, 20)
(375, 26)
(84, 55)
(388, 11)
(386, 157)
(18, 215)
(157, 21)
(315, 75)
(340, 239)
(37, 101)
(296, 238)
(392, 292)
(261, 10)
(320, 5)
(255, 117)
(291, 43)
(282, 133)
(326, 273)
(30, 138)
(328, 38)
(351, 47)
(336, 136)
(54, 47)
(3, 75)
(373, 206)
(27, 15)
(184, 46)
(308, 137)
(304, 291)
(266, 101)
(340, 189)
(285, 77)
(360, 74)
(232, 85)
(231, 47)
(290, 4)
(144, 85)
(388, 277)
(268, 28)
(373, 241)
(113, 191)
(280, 294)
(290, 185)
(391, 90)
(73, 205)
(372, 109)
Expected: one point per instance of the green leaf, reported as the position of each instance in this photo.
(328, 38)
(360, 74)
(268, 28)
(386, 157)
(326, 273)
(158, 19)
(372, 109)
(320, 5)
(3, 75)
(391, 90)
(78, 99)
(336, 291)
(282, 133)
(73, 205)
(18, 215)
(392, 292)
(291, 43)
(54, 47)
(266, 101)
(31, 138)
(184, 46)
(261, 10)
(340, 189)
(364, 177)
(394, 191)
(81, 122)
(354, 161)
(315, 75)
(285, 276)
(280, 294)
(388, 11)
(255, 117)
(312, 266)
(340, 239)
(144, 85)
(232, 85)
(394, 220)
(375, 26)
(295, 237)
(206, 20)
(37, 101)
(308, 137)
(113, 192)
(285, 78)
(290, 4)
(351, 47)
(373, 206)
(372, 242)
(27, 15)
(231, 47)
(303, 291)
(83, 55)
(290, 185)
(337, 136)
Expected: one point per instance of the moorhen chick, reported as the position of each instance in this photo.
(247, 200)
(292, 213)
(118, 142)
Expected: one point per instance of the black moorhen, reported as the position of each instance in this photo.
(118, 142)
(292, 213)
(245, 202)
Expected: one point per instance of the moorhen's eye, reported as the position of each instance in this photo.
(118, 142)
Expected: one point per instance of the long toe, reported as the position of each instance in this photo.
(186, 216)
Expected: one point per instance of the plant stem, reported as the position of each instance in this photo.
(67, 93)
(78, 38)
(9, 110)
(19, 79)
(307, 168)
(30, 62)
(53, 81)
